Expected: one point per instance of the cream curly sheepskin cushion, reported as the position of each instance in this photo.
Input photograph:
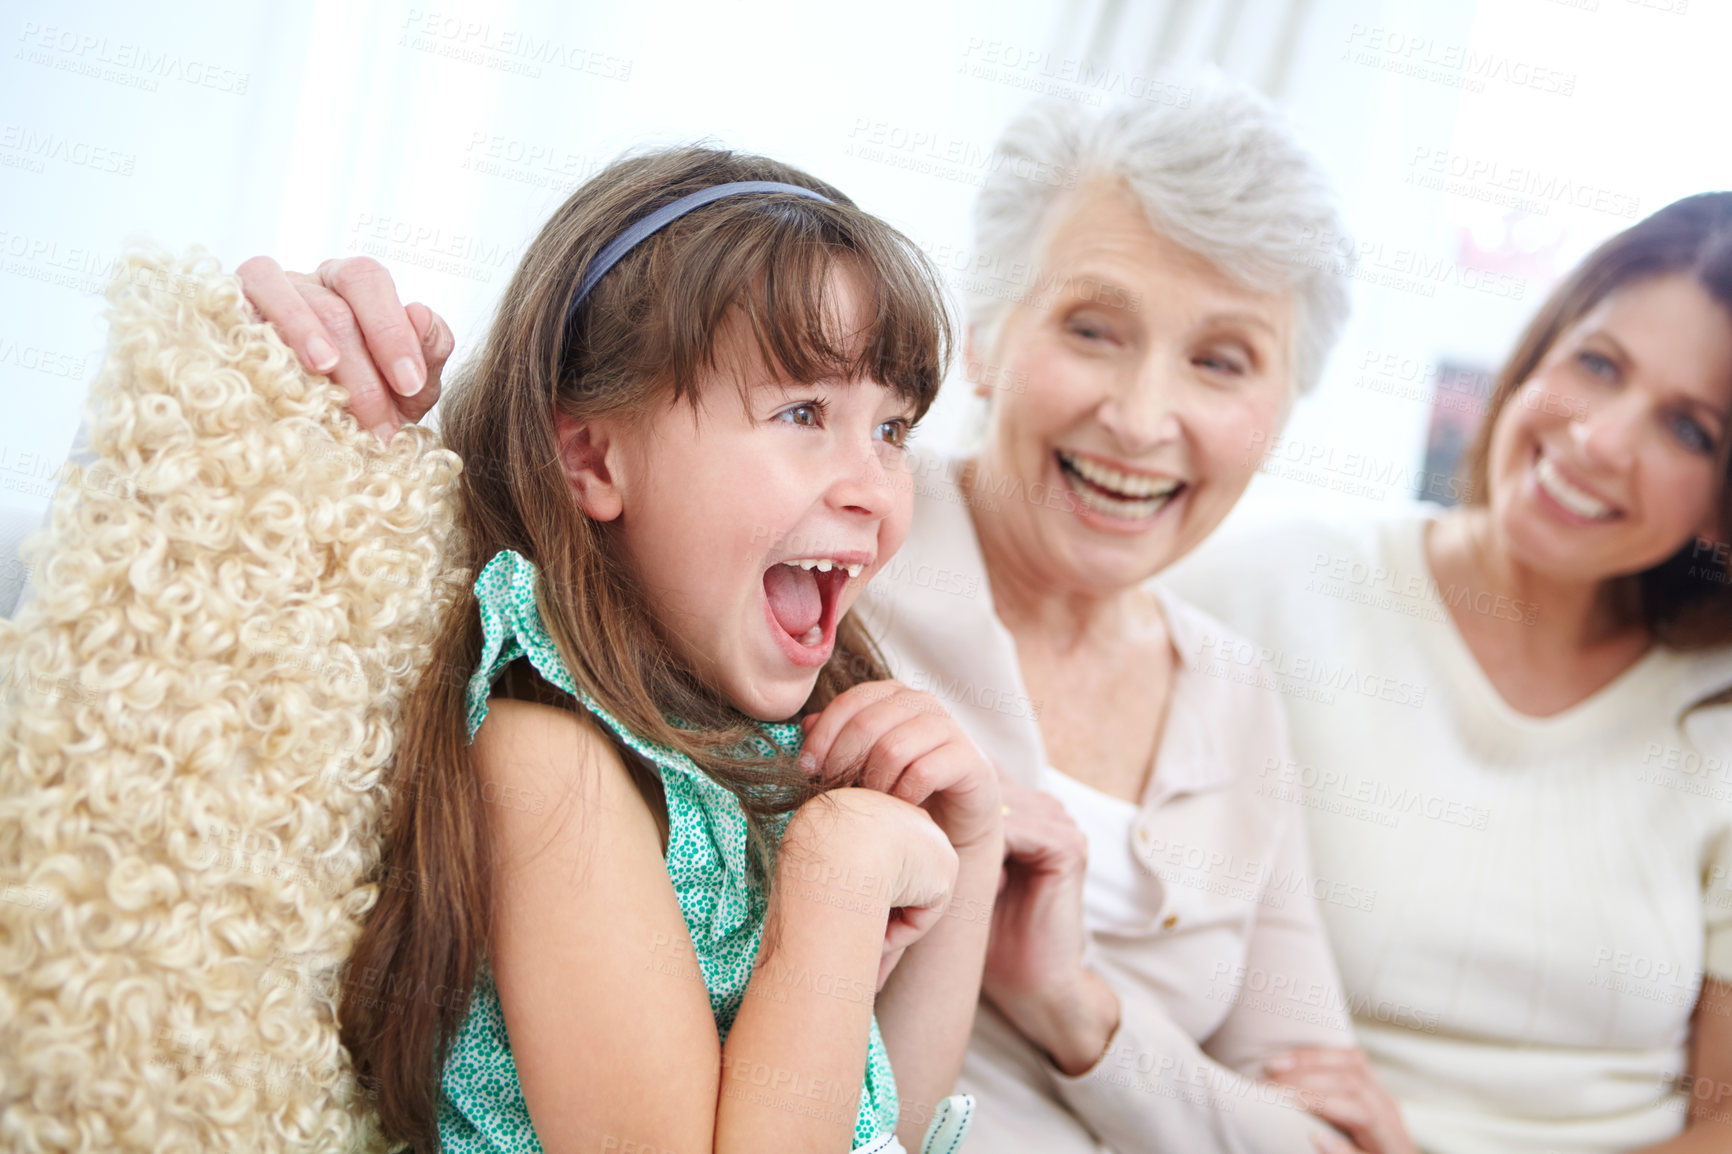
(197, 714)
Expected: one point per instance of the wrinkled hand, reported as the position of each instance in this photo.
(1034, 960)
(1338, 1086)
(346, 320)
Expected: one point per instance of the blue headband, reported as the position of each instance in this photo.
(639, 230)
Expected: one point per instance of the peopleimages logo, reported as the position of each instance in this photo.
(961, 691)
(1454, 65)
(38, 147)
(1380, 796)
(1411, 587)
(122, 62)
(936, 153)
(1069, 77)
(1445, 170)
(1351, 472)
(1213, 870)
(1225, 655)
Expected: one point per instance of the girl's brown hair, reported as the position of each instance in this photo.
(645, 333)
(1686, 600)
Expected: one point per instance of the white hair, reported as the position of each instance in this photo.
(1218, 171)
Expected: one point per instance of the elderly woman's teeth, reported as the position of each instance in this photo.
(1117, 494)
(1124, 486)
(825, 564)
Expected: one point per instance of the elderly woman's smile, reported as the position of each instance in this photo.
(1151, 376)
(1114, 491)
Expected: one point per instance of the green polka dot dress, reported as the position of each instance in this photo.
(481, 1106)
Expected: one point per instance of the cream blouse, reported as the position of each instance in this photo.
(1549, 890)
(1213, 945)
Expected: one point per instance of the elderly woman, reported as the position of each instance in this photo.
(1139, 334)
(1156, 947)
(1513, 721)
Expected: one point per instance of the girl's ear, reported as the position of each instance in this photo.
(587, 452)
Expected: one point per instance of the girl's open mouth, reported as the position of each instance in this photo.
(802, 597)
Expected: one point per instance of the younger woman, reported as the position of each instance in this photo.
(625, 919)
(1523, 744)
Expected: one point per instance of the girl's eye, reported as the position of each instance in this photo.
(896, 432)
(1691, 434)
(1599, 366)
(807, 414)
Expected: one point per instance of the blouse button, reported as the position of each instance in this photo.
(1169, 921)
(1143, 834)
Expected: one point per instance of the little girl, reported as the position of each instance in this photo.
(635, 909)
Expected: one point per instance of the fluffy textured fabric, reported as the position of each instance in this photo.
(197, 713)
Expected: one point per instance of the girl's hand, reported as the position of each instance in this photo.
(346, 320)
(871, 850)
(882, 735)
(1034, 960)
(1339, 1087)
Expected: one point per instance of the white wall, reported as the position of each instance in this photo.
(438, 136)
(1537, 104)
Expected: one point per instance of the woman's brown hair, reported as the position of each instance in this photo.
(1686, 600)
(646, 332)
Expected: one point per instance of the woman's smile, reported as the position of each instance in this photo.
(1130, 436)
(1574, 502)
(1116, 497)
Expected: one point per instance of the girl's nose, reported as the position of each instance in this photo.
(865, 483)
